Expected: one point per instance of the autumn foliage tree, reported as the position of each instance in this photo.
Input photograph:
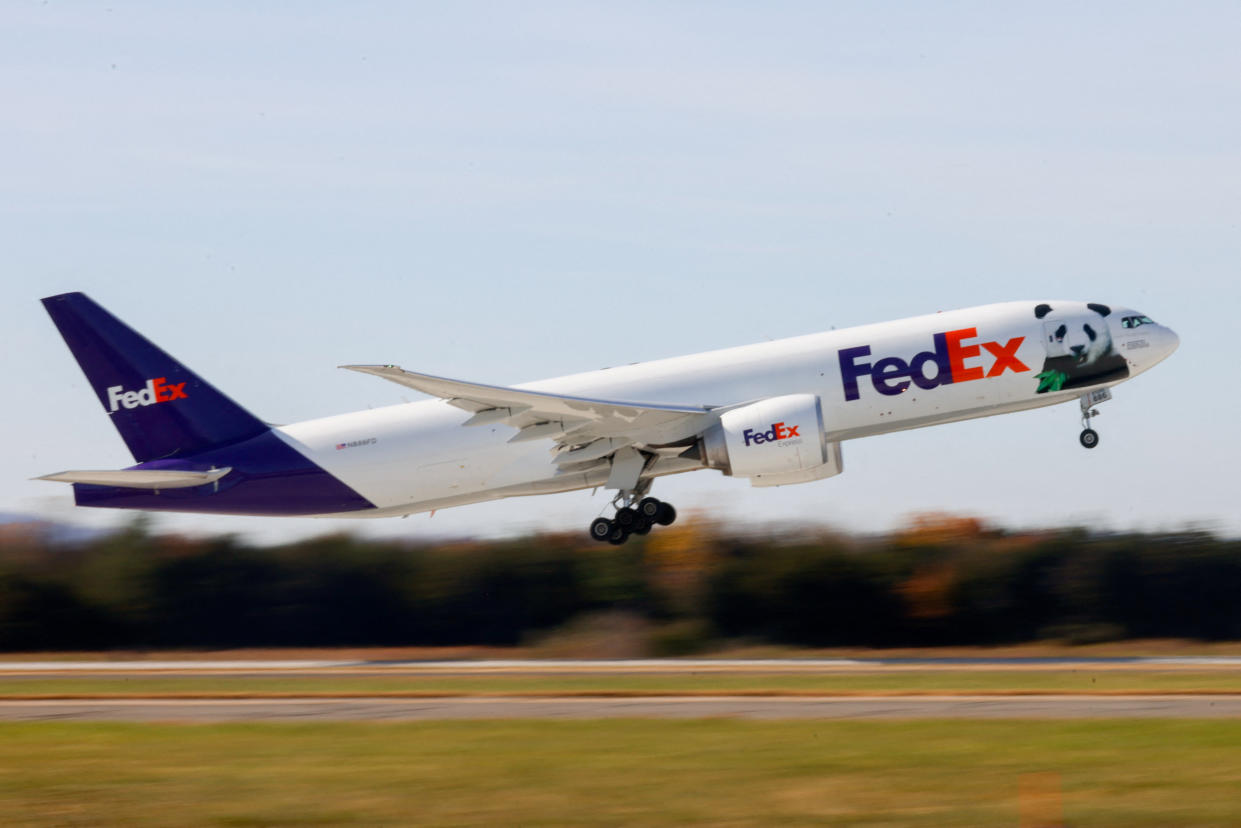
(939, 580)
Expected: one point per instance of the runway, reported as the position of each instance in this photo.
(648, 665)
(659, 707)
(344, 689)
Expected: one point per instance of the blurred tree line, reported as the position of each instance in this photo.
(941, 581)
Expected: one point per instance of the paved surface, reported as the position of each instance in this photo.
(234, 666)
(340, 709)
(605, 665)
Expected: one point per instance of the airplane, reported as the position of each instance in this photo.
(775, 413)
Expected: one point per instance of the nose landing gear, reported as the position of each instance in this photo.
(633, 517)
(1089, 438)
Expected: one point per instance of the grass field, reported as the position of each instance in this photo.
(624, 772)
(1083, 680)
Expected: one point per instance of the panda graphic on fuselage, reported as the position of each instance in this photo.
(1079, 349)
(1085, 343)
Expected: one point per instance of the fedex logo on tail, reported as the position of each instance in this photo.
(953, 357)
(156, 391)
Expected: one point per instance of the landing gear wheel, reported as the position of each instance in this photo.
(648, 507)
(600, 528)
(1089, 438)
(632, 518)
(626, 518)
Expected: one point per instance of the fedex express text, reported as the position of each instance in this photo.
(954, 358)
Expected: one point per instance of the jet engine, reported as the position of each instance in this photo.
(774, 442)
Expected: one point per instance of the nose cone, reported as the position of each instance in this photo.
(1172, 341)
(1165, 342)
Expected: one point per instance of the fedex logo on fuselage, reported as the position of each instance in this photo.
(952, 358)
(777, 432)
(156, 391)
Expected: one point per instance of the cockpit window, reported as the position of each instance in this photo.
(1136, 321)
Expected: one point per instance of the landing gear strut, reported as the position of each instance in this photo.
(1089, 438)
(633, 517)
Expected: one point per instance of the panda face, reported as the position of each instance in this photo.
(1079, 348)
(1087, 342)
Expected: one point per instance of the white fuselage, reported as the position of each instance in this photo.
(418, 456)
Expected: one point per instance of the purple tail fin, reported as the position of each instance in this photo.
(160, 407)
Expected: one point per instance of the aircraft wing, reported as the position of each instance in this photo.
(584, 428)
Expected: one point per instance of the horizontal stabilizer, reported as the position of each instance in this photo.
(140, 478)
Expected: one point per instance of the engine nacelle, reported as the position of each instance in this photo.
(774, 442)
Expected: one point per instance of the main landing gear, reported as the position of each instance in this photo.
(632, 518)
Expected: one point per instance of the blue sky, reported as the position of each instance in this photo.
(504, 192)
